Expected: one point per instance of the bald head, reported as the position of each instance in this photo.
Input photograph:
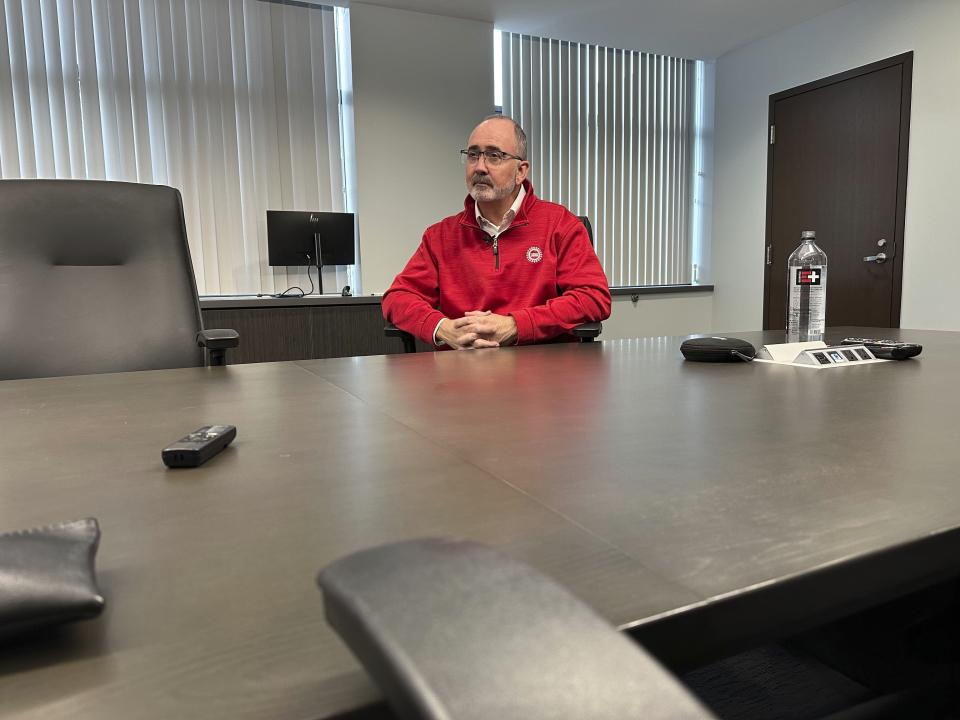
(519, 144)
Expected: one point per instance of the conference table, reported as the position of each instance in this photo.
(703, 508)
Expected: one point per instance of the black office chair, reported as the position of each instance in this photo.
(450, 629)
(586, 332)
(96, 277)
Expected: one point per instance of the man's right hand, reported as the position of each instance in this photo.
(460, 339)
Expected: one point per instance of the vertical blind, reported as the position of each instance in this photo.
(234, 102)
(610, 134)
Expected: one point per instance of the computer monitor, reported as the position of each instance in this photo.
(293, 237)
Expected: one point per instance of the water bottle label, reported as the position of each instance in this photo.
(807, 306)
(809, 276)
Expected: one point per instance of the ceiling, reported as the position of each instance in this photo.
(703, 29)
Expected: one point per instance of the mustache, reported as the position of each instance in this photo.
(478, 179)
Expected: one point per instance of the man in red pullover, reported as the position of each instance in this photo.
(509, 269)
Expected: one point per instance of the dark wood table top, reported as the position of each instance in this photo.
(701, 506)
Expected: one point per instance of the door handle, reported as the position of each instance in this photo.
(880, 258)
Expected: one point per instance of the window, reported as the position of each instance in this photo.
(614, 135)
(234, 102)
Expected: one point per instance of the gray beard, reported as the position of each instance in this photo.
(491, 193)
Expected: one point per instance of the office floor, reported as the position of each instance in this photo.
(899, 660)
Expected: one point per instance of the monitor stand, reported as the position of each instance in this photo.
(319, 262)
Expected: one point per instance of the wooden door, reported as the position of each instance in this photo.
(837, 164)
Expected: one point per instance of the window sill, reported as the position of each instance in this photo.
(659, 289)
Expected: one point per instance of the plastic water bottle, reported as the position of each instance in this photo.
(807, 290)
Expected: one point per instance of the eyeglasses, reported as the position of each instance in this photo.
(490, 157)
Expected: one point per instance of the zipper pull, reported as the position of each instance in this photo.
(496, 252)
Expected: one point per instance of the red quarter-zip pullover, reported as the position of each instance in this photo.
(542, 270)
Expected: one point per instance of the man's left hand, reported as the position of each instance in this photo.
(501, 329)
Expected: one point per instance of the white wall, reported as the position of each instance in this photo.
(420, 84)
(853, 35)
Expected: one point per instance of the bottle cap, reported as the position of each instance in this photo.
(808, 235)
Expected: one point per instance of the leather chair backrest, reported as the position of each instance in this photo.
(453, 629)
(94, 277)
(586, 221)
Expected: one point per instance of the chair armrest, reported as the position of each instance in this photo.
(218, 339)
(588, 331)
(217, 342)
(451, 629)
(409, 341)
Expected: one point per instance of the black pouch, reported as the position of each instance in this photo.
(47, 576)
(717, 349)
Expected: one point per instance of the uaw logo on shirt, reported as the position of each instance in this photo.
(808, 276)
(534, 254)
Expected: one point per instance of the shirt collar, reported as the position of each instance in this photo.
(494, 230)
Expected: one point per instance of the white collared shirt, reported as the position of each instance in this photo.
(493, 231)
